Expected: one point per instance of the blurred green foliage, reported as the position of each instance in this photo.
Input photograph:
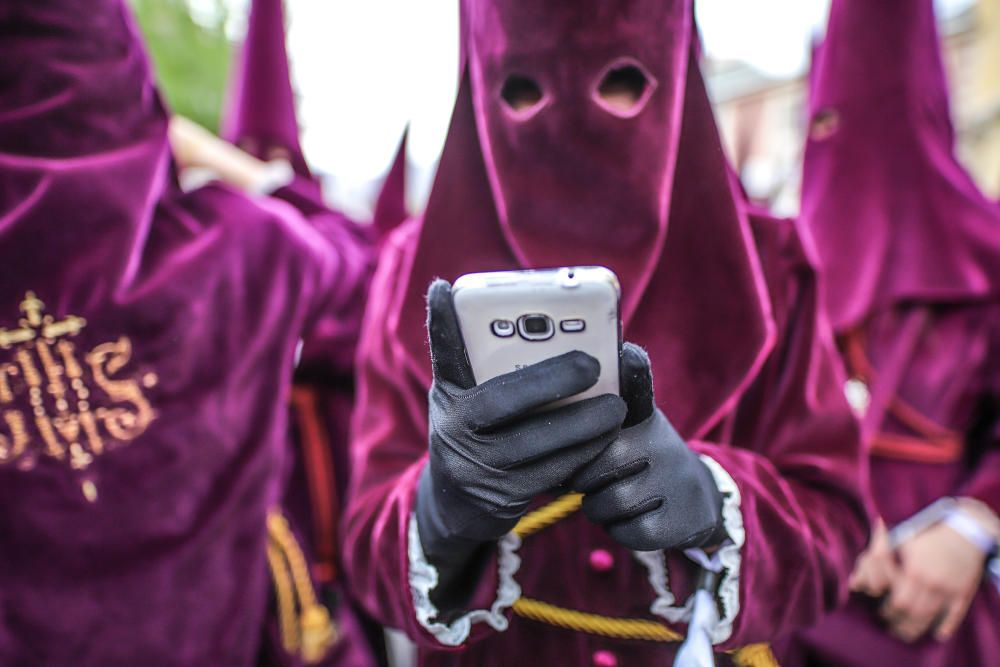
(191, 54)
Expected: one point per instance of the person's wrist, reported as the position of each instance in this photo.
(975, 523)
(436, 521)
(982, 514)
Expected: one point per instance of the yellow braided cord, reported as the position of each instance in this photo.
(316, 632)
(755, 655)
(285, 598)
(545, 516)
(281, 534)
(579, 621)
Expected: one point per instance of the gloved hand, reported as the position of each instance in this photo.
(648, 489)
(490, 453)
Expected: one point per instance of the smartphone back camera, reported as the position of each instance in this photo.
(535, 326)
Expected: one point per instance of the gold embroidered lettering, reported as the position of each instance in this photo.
(64, 424)
(75, 374)
(13, 446)
(123, 424)
(6, 393)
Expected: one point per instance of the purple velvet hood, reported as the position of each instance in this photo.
(894, 215)
(260, 112)
(655, 217)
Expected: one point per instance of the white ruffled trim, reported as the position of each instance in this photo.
(424, 578)
(727, 559)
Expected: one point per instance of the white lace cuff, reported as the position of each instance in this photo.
(424, 579)
(727, 560)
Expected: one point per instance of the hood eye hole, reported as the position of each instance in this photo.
(520, 93)
(824, 125)
(623, 88)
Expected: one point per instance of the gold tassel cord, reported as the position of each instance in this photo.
(753, 655)
(315, 633)
(285, 597)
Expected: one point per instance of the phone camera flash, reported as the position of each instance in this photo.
(502, 328)
(572, 326)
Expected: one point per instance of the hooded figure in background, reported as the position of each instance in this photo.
(260, 111)
(261, 120)
(147, 343)
(911, 254)
(583, 135)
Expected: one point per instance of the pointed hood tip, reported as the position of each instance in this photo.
(260, 114)
(390, 206)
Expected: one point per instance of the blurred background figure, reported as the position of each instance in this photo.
(911, 253)
(145, 368)
(260, 119)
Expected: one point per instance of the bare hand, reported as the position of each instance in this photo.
(876, 567)
(935, 582)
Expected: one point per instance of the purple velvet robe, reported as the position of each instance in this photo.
(952, 376)
(147, 340)
(786, 442)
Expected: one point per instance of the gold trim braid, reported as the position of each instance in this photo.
(545, 516)
(752, 655)
(594, 624)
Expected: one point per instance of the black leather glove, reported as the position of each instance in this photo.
(648, 489)
(490, 452)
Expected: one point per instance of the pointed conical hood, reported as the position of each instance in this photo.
(260, 111)
(570, 180)
(390, 207)
(895, 217)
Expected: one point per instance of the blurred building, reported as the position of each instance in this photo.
(763, 120)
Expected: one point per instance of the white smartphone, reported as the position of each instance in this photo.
(511, 319)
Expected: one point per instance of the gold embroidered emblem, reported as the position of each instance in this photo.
(39, 361)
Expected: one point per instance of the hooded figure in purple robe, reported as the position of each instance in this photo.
(147, 340)
(583, 134)
(260, 115)
(261, 119)
(911, 254)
